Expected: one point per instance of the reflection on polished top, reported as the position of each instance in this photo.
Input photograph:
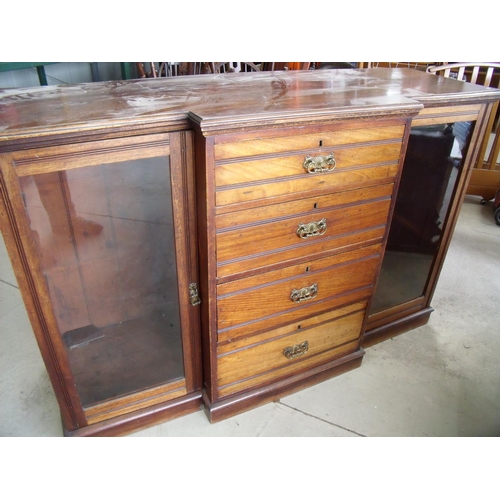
(243, 100)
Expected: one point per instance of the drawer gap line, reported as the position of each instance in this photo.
(264, 329)
(263, 342)
(300, 176)
(300, 152)
(299, 245)
(375, 255)
(304, 306)
(310, 213)
(292, 362)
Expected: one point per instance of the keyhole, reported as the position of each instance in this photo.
(321, 143)
(315, 205)
(298, 327)
(307, 269)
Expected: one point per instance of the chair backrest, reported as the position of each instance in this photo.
(235, 67)
(409, 65)
(486, 74)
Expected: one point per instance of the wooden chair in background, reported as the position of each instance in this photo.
(485, 178)
(167, 69)
(409, 65)
(235, 67)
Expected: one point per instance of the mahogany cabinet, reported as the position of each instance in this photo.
(216, 241)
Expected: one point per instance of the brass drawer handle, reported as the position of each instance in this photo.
(318, 164)
(296, 350)
(312, 229)
(306, 293)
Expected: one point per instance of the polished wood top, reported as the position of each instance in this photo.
(243, 100)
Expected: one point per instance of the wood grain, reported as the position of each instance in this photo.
(303, 142)
(348, 178)
(271, 168)
(309, 321)
(259, 361)
(310, 202)
(274, 298)
(280, 238)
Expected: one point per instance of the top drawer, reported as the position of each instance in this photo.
(255, 170)
(263, 146)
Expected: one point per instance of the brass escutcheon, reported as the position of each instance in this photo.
(312, 229)
(194, 298)
(296, 350)
(306, 293)
(318, 164)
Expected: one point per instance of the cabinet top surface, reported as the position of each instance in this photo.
(244, 99)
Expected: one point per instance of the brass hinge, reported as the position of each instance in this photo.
(194, 298)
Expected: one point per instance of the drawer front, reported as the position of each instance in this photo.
(307, 205)
(299, 225)
(261, 244)
(257, 146)
(266, 361)
(262, 179)
(280, 296)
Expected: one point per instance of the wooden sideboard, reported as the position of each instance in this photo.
(216, 240)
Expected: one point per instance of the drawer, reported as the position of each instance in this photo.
(267, 360)
(262, 179)
(307, 205)
(252, 304)
(357, 133)
(314, 225)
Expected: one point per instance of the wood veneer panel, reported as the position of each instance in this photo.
(309, 321)
(312, 265)
(309, 203)
(275, 298)
(278, 241)
(326, 139)
(56, 158)
(446, 114)
(347, 179)
(255, 170)
(269, 376)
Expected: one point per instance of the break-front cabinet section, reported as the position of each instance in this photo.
(293, 223)
(103, 238)
(442, 149)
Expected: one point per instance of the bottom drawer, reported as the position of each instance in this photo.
(288, 350)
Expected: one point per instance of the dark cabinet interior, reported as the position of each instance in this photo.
(110, 268)
(434, 162)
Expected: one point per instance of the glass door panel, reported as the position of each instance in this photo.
(105, 239)
(434, 159)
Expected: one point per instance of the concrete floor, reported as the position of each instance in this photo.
(442, 379)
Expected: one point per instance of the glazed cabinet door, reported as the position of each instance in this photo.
(441, 151)
(105, 243)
